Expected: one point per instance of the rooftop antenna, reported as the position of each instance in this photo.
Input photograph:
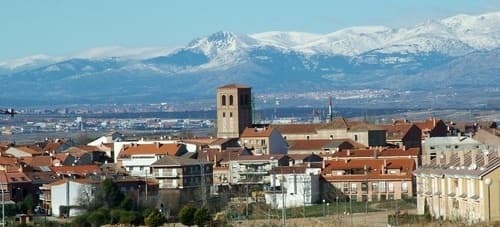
(330, 109)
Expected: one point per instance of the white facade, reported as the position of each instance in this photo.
(140, 165)
(68, 194)
(296, 189)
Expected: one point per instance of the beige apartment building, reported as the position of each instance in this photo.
(461, 185)
(370, 179)
(263, 139)
(340, 128)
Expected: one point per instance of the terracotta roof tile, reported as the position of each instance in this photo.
(307, 144)
(265, 131)
(370, 153)
(37, 161)
(298, 128)
(156, 149)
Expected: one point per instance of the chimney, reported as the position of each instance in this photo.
(461, 156)
(433, 121)
(384, 167)
(375, 154)
(448, 157)
(157, 145)
(438, 158)
(486, 158)
(323, 164)
(348, 152)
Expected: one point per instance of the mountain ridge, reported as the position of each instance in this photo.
(419, 57)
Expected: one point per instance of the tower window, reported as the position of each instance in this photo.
(231, 101)
(223, 100)
(223, 114)
(230, 114)
(355, 137)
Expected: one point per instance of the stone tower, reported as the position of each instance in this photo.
(234, 110)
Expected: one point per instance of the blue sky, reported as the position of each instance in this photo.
(58, 27)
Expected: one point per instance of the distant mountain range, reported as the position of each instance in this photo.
(454, 60)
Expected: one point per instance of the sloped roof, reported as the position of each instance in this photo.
(454, 167)
(397, 131)
(369, 153)
(233, 86)
(297, 128)
(265, 131)
(156, 149)
(307, 144)
(37, 161)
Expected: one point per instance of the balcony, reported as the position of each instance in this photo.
(165, 174)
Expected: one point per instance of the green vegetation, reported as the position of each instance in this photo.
(190, 215)
(111, 206)
(263, 211)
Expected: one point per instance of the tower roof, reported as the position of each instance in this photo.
(233, 86)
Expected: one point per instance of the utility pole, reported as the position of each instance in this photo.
(3, 207)
(283, 208)
(203, 189)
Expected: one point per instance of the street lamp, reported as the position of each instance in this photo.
(487, 181)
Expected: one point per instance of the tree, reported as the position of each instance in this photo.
(108, 195)
(97, 218)
(153, 219)
(186, 215)
(201, 216)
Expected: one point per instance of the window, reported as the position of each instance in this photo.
(364, 187)
(364, 198)
(374, 197)
(223, 114)
(354, 198)
(404, 187)
(223, 100)
(230, 114)
(374, 187)
(391, 187)
(381, 186)
(346, 187)
(231, 101)
(354, 188)
(355, 137)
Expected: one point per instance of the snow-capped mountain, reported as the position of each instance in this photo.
(374, 57)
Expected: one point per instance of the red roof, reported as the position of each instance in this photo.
(373, 168)
(155, 149)
(397, 131)
(307, 144)
(13, 177)
(257, 132)
(37, 161)
(297, 128)
(370, 153)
